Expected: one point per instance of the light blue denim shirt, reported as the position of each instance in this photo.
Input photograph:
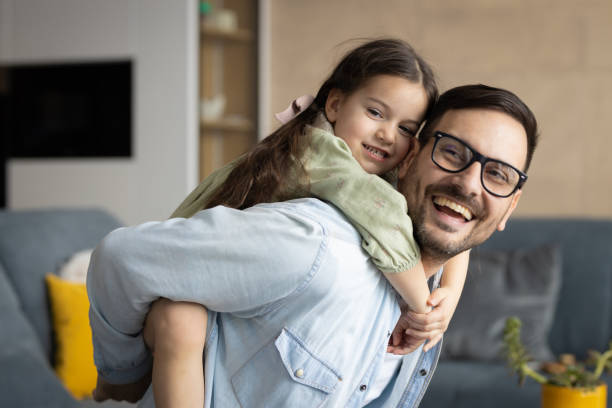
(298, 314)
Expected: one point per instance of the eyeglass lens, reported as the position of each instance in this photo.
(497, 177)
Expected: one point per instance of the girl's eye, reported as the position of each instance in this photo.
(374, 112)
(406, 131)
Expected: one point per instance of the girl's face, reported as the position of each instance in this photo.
(378, 121)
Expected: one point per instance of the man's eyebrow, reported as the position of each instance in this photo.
(476, 151)
(371, 98)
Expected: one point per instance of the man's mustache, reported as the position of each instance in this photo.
(458, 194)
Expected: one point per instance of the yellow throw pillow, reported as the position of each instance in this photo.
(74, 353)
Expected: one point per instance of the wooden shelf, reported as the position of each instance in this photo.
(239, 35)
(228, 125)
(228, 67)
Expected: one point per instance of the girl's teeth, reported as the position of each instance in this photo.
(374, 151)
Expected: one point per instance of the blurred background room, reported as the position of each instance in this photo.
(201, 95)
(112, 111)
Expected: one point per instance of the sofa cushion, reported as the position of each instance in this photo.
(523, 283)
(33, 243)
(464, 384)
(26, 376)
(583, 318)
(74, 363)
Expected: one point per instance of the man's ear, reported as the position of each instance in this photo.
(413, 151)
(334, 101)
(513, 203)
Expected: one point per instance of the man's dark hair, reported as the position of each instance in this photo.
(484, 97)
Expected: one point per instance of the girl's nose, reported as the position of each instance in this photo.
(385, 135)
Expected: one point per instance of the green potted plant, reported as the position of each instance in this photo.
(565, 383)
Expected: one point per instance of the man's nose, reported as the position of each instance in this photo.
(469, 179)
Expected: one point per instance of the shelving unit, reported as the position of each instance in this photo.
(228, 67)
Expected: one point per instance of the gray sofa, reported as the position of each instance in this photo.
(33, 243)
(582, 314)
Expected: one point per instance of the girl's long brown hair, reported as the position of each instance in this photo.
(260, 175)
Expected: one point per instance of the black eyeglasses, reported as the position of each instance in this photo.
(454, 155)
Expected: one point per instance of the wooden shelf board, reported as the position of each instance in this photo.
(227, 125)
(234, 35)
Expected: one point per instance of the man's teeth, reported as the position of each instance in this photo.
(467, 214)
(375, 151)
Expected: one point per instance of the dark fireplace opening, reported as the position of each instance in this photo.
(65, 110)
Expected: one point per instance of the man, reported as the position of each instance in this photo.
(298, 316)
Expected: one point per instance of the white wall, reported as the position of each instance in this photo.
(161, 38)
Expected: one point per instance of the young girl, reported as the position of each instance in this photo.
(361, 125)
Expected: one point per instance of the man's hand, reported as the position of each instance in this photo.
(121, 392)
(413, 329)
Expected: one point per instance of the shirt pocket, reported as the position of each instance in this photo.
(284, 373)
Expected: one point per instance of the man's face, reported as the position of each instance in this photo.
(441, 203)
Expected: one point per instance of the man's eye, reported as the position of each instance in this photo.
(497, 175)
(375, 112)
(451, 152)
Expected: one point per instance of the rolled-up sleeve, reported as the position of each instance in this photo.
(231, 261)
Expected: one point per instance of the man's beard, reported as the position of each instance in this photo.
(436, 249)
(441, 249)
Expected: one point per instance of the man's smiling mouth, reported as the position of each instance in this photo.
(452, 208)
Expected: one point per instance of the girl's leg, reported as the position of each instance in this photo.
(176, 333)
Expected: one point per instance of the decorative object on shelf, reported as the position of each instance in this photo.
(212, 108)
(220, 19)
(568, 384)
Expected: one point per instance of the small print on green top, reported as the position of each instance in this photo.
(374, 207)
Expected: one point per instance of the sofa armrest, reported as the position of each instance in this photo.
(26, 378)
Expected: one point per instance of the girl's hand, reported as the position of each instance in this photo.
(401, 343)
(413, 329)
(431, 326)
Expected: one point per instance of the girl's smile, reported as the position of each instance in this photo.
(379, 120)
(374, 153)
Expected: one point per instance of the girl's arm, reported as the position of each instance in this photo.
(376, 210)
(453, 278)
(414, 328)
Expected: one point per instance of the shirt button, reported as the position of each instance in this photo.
(363, 387)
(299, 373)
(423, 372)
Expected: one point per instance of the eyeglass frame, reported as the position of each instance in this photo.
(480, 158)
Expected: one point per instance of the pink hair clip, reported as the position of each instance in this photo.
(296, 107)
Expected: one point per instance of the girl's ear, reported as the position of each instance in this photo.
(413, 151)
(334, 101)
